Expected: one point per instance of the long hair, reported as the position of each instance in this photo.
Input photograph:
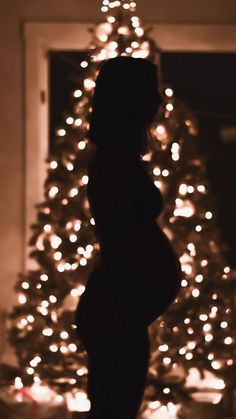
(125, 101)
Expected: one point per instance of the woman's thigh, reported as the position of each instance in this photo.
(118, 355)
(105, 332)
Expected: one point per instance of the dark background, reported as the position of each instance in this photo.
(204, 81)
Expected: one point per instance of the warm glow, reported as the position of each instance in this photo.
(169, 92)
(208, 215)
(81, 371)
(52, 299)
(191, 345)
(69, 120)
(216, 365)
(42, 310)
(160, 129)
(123, 30)
(83, 262)
(63, 349)
(199, 278)
(140, 54)
(204, 262)
(73, 238)
(18, 383)
(228, 340)
(111, 19)
(184, 283)
(77, 93)
(134, 44)
(53, 164)
(78, 122)
(104, 9)
(112, 45)
(70, 167)
(208, 337)
(175, 151)
(201, 188)
(74, 292)
(165, 172)
(85, 179)
(84, 64)
(73, 192)
(169, 107)
(55, 241)
(47, 228)
(30, 318)
(53, 348)
(190, 189)
(77, 225)
(34, 362)
(78, 402)
(89, 84)
(57, 255)
(22, 299)
(47, 332)
(53, 191)
(89, 248)
(203, 317)
(207, 327)
(195, 293)
(61, 132)
(156, 171)
(44, 277)
(163, 348)
(72, 347)
(184, 208)
(183, 189)
(139, 31)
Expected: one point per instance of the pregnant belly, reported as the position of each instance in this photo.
(159, 273)
(143, 282)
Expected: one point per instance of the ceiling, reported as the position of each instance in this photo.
(185, 11)
(168, 11)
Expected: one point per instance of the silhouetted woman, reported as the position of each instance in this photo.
(137, 274)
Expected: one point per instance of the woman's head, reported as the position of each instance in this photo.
(125, 102)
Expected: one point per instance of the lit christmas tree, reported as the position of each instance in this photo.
(197, 329)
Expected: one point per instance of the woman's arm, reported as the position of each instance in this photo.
(147, 198)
